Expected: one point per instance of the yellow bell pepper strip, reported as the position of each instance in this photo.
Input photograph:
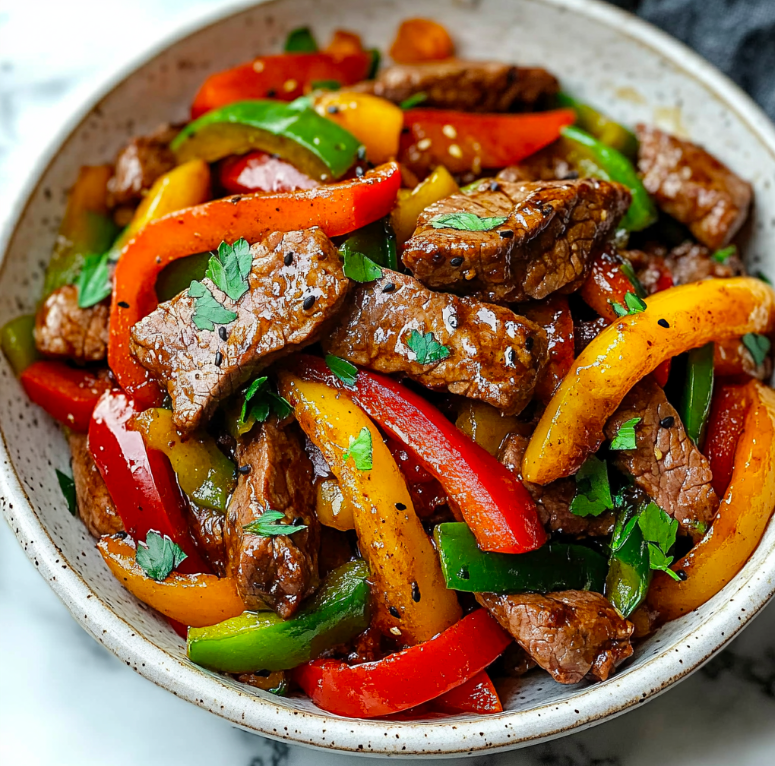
(18, 343)
(295, 132)
(411, 202)
(674, 321)
(603, 128)
(204, 473)
(86, 228)
(739, 524)
(195, 599)
(391, 537)
(331, 507)
(375, 122)
(485, 424)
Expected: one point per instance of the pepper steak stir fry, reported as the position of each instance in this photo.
(383, 382)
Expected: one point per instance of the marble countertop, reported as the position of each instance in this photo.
(65, 700)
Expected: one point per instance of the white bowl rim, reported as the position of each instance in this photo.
(439, 737)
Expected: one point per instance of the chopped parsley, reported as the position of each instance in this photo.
(629, 272)
(414, 100)
(625, 436)
(94, 281)
(758, 345)
(360, 450)
(67, 485)
(359, 267)
(633, 305)
(229, 268)
(158, 556)
(723, 255)
(426, 348)
(266, 525)
(258, 402)
(593, 491)
(300, 40)
(344, 370)
(659, 532)
(467, 222)
(207, 311)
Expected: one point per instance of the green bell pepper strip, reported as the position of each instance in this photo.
(18, 343)
(601, 127)
(295, 132)
(377, 241)
(263, 641)
(557, 566)
(300, 40)
(697, 393)
(177, 276)
(629, 573)
(600, 161)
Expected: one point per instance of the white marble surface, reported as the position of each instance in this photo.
(64, 700)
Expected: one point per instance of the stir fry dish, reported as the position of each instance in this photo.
(386, 382)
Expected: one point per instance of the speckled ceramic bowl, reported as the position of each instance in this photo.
(615, 61)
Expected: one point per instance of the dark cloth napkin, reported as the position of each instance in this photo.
(738, 36)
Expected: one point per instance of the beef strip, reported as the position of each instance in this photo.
(552, 231)
(495, 356)
(62, 329)
(139, 164)
(469, 86)
(548, 164)
(693, 186)
(571, 634)
(665, 463)
(95, 506)
(206, 526)
(281, 570)
(691, 262)
(553, 500)
(288, 306)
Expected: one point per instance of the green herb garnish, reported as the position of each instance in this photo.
(629, 272)
(259, 401)
(158, 556)
(67, 485)
(94, 281)
(344, 370)
(207, 311)
(633, 305)
(723, 255)
(426, 348)
(229, 268)
(593, 490)
(266, 525)
(625, 436)
(359, 267)
(413, 100)
(659, 531)
(360, 450)
(467, 222)
(758, 345)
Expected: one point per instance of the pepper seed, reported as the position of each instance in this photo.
(288, 260)
(664, 323)
(394, 612)
(123, 304)
(456, 261)
(667, 422)
(223, 333)
(309, 302)
(218, 358)
(529, 343)
(682, 575)
(388, 288)
(400, 506)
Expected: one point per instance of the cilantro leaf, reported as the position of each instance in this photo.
(758, 345)
(593, 491)
(427, 349)
(723, 255)
(300, 40)
(229, 268)
(158, 556)
(619, 310)
(658, 527)
(658, 559)
(344, 370)
(266, 525)
(67, 485)
(413, 100)
(633, 305)
(360, 450)
(625, 436)
(258, 402)
(207, 311)
(629, 272)
(360, 267)
(94, 281)
(467, 222)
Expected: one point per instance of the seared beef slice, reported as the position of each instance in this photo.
(665, 463)
(494, 355)
(572, 634)
(281, 570)
(470, 86)
(551, 230)
(295, 286)
(693, 186)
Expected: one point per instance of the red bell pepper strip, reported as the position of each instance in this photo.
(259, 171)
(409, 677)
(140, 481)
(475, 696)
(495, 505)
(337, 209)
(66, 393)
(727, 415)
(462, 141)
(284, 77)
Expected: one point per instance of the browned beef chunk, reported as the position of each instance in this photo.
(288, 306)
(665, 463)
(63, 329)
(139, 164)
(494, 355)
(549, 164)
(470, 86)
(586, 330)
(276, 571)
(693, 186)
(571, 634)
(691, 262)
(553, 500)
(206, 526)
(551, 231)
(95, 506)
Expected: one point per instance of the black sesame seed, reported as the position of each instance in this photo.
(529, 343)
(511, 356)
(218, 358)
(223, 333)
(495, 186)
(682, 575)
(309, 302)
(123, 304)
(333, 109)
(394, 612)
(359, 171)
(288, 260)
(505, 233)
(235, 199)
(298, 521)
(663, 323)
(415, 592)
(271, 93)
(388, 288)
(245, 469)
(667, 422)
(400, 506)
(122, 535)
(463, 574)
(457, 261)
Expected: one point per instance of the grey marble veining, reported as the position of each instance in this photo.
(65, 700)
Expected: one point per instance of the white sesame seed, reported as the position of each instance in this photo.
(455, 151)
(424, 144)
(449, 131)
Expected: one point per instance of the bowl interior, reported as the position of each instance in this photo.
(603, 56)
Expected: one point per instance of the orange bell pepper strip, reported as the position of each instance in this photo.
(728, 409)
(421, 40)
(337, 209)
(284, 77)
(411, 599)
(196, 600)
(344, 43)
(674, 321)
(740, 523)
(464, 142)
